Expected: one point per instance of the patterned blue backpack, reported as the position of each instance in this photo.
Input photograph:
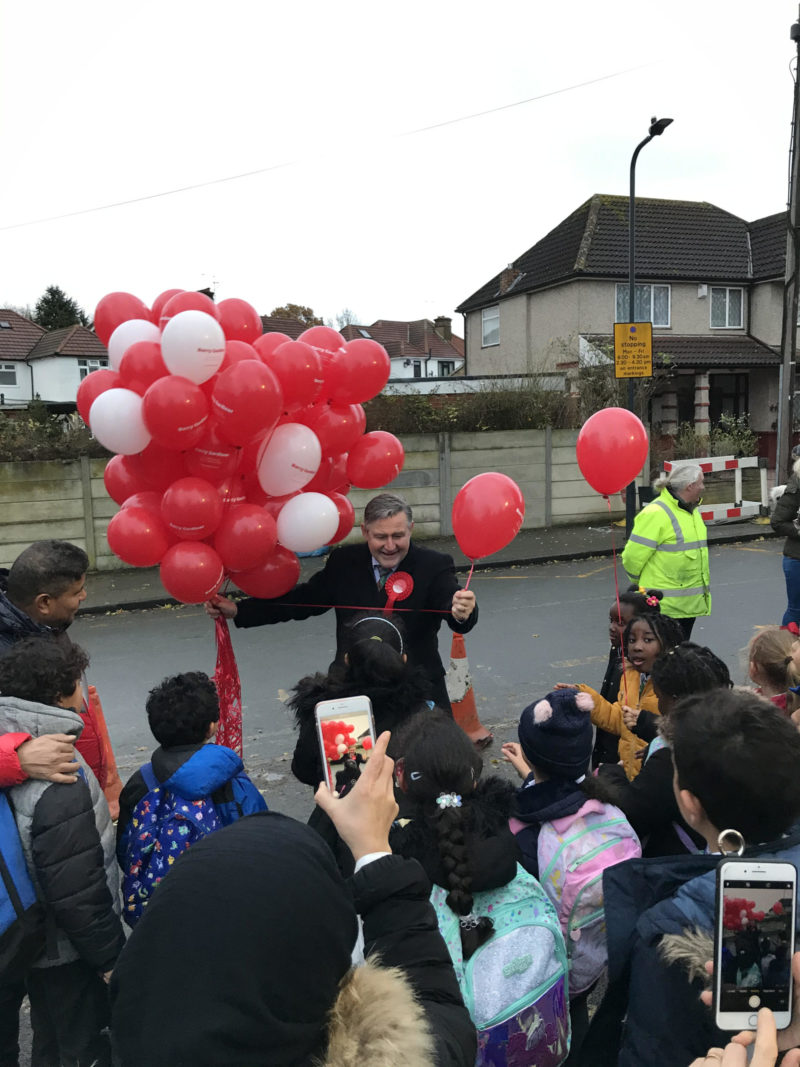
(162, 826)
(515, 985)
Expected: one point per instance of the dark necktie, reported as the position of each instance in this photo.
(383, 574)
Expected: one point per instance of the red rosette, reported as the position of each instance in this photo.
(399, 586)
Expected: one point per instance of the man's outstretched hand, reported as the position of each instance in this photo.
(364, 817)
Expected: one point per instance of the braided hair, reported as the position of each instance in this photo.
(666, 631)
(441, 769)
(688, 669)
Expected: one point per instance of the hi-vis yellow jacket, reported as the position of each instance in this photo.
(667, 550)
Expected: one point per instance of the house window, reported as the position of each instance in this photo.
(446, 367)
(416, 366)
(8, 374)
(726, 308)
(86, 366)
(490, 326)
(651, 303)
(728, 394)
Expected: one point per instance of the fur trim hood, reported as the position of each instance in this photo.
(377, 1020)
(691, 950)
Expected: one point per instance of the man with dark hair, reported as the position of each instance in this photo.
(737, 785)
(42, 591)
(356, 575)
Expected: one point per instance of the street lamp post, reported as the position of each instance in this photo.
(657, 127)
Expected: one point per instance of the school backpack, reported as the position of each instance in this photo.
(162, 826)
(22, 917)
(573, 853)
(515, 984)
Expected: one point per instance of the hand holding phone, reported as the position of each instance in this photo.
(346, 735)
(754, 942)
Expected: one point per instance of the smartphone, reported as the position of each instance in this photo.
(754, 942)
(346, 734)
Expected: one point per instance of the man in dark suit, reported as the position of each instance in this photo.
(356, 575)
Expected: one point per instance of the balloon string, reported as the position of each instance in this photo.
(469, 576)
(619, 609)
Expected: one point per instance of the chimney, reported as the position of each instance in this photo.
(443, 326)
(508, 277)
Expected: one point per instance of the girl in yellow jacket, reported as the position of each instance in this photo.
(646, 637)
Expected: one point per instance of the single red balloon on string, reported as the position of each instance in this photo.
(239, 320)
(92, 386)
(375, 460)
(338, 426)
(274, 577)
(142, 365)
(357, 372)
(175, 412)
(347, 517)
(487, 514)
(187, 301)
(247, 401)
(611, 449)
(158, 467)
(192, 508)
(245, 537)
(298, 368)
(191, 572)
(116, 308)
(138, 536)
(123, 479)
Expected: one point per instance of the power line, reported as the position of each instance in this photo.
(294, 162)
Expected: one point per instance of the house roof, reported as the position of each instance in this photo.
(414, 340)
(675, 240)
(69, 341)
(291, 327)
(19, 337)
(730, 350)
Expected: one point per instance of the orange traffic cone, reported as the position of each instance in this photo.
(462, 697)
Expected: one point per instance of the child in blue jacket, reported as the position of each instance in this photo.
(183, 713)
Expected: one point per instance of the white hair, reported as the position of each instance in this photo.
(680, 477)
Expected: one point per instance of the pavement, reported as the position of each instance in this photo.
(140, 587)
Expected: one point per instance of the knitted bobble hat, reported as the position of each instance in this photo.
(556, 733)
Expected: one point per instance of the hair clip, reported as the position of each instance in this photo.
(376, 638)
(448, 800)
(469, 922)
(415, 776)
(793, 628)
(652, 601)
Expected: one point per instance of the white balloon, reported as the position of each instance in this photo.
(307, 522)
(193, 345)
(116, 420)
(128, 333)
(290, 460)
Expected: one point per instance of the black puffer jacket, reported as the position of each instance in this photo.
(391, 705)
(15, 625)
(785, 512)
(492, 848)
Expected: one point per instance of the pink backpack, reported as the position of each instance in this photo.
(573, 853)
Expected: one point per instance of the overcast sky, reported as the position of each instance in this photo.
(356, 204)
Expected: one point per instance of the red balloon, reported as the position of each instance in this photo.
(247, 400)
(338, 426)
(323, 337)
(235, 352)
(487, 514)
(611, 449)
(231, 491)
(245, 537)
(138, 536)
(175, 412)
(357, 372)
(273, 504)
(191, 572)
(253, 493)
(252, 452)
(338, 482)
(213, 458)
(187, 302)
(192, 508)
(347, 517)
(375, 460)
(157, 467)
(92, 386)
(274, 577)
(116, 308)
(266, 344)
(160, 301)
(148, 498)
(239, 320)
(320, 482)
(141, 365)
(122, 479)
(298, 368)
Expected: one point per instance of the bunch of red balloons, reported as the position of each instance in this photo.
(739, 913)
(235, 449)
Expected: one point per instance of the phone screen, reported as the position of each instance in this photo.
(756, 956)
(347, 744)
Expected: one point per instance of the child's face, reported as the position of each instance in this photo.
(643, 646)
(615, 631)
